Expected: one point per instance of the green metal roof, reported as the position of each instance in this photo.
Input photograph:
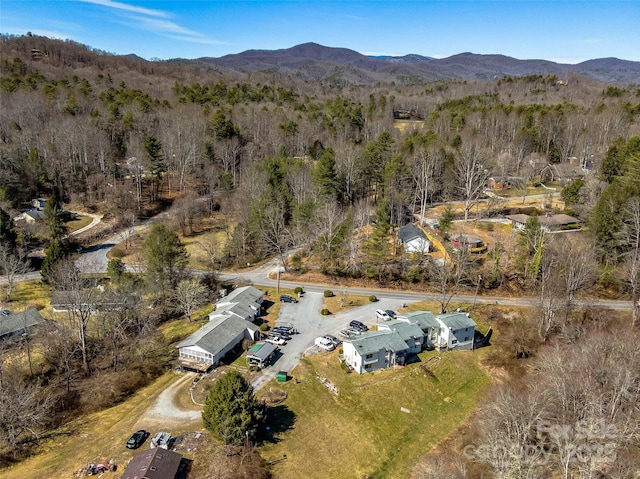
(423, 319)
(372, 342)
(457, 320)
(404, 329)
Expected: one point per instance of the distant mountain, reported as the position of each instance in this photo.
(311, 61)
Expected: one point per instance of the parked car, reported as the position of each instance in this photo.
(358, 325)
(163, 440)
(336, 342)
(285, 298)
(391, 313)
(344, 333)
(382, 315)
(276, 340)
(284, 329)
(5, 312)
(324, 343)
(354, 332)
(137, 439)
(279, 334)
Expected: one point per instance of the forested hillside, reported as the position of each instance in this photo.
(284, 163)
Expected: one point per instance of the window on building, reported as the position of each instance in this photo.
(454, 341)
(368, 356)
(367, 366)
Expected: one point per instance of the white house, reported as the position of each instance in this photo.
(410, 333)
(426, 321)
(375, 350)
(456, 331)
(413, 239)
(230, 323)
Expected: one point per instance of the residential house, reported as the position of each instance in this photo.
(230, 323)
(261, 354)
(413, 239)
(547, 222)
(154, 463)
(427, 323)
(32, 216)
(18, 324)
(457, 331)
(204, 349)
(39, 203)
(410, 333)
(245, 303)
(375, 350)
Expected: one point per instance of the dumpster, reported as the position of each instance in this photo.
(282, 377)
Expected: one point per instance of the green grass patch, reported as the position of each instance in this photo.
(80, 221)
(363, 432)
(30, 293)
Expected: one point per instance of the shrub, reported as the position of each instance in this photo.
(373, 298)
(298, 290)
(328, 293)
(264, 327)
(325, 312)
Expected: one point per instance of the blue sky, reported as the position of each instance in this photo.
(558, 30)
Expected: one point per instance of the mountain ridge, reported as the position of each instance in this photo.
(324, 61)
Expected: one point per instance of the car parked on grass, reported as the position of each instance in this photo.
(382, 315)
(358, 325)
(285, 298)
(325, 343)
(137, 439)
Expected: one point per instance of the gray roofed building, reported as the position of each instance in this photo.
(425, 319)
(32, 216)
(18, 323)
(549, 223)
(457, 331)
(260, 354)
(427, 322)
(243, 302)
(246, 294)
(410, 333)
(413, 239)
(375, 350)
(208, 345)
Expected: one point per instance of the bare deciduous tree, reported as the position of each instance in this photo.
(471, 172)
(12, 264)
(25, 407)
(189, 295)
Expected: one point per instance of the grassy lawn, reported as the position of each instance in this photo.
(363, 432)
(30, 293)
(80, 222)
(92, 438)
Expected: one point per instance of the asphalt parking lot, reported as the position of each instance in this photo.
(305, 317)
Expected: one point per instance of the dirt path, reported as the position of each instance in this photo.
(171, 411)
